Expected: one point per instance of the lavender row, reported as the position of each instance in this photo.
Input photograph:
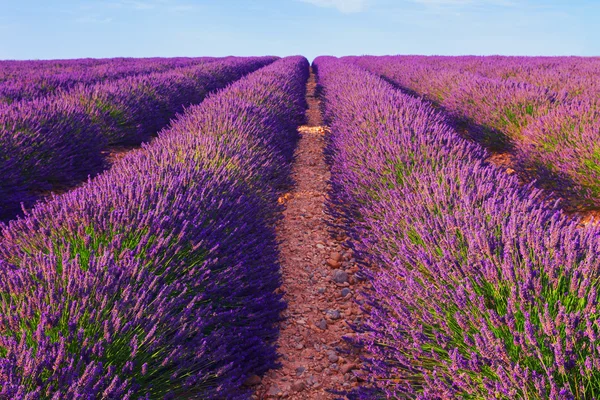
(59, 140)
(28, 80)
(574, 76)
(157, 278)
(552, 133)
(480, 289)
(496, 110)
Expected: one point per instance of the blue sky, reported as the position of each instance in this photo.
(41, 29)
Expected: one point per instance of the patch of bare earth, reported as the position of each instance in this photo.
(319, 283)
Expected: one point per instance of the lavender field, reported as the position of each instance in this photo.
(142, 254)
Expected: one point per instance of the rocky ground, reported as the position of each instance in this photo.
(320, 283)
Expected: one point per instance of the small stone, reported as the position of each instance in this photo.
(340, 276)
(275, 391)
(510, 171)
(333, 358)
(311, 380)
(301, 321)
(345, 292)
(298, 386)
(322, 324)
(300, 370)
(320, 246)
(321, 290)
(335, 256)
(252, 380)
(347, 368)
(333, 263)
(334, 314)
(299, 346)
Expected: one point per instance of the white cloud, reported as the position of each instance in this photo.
(345, 6)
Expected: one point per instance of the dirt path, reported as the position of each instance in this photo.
(318, 281)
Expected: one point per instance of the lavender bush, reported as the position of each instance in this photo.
(156, 279)
(480, 289)
(59, 140)
(496, 111)
(544, 107)
(29, 80)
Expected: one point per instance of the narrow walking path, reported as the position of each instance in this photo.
(318, 281)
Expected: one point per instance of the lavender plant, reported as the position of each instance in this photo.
(61, 139)
(480, 288)
(564, 144)
(157, 278)
(29, 80)
(541, 106)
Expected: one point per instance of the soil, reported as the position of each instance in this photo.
(319, 283)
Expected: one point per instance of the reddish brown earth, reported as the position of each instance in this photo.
(319, 284)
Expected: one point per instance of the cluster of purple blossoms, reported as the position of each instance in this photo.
(480, 288)
(59, 140)
(542, 109)
(157, 278)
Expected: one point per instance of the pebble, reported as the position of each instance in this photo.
(275, 391)
(311, 380)
(299, 346)
(298, 386)
(320, 246)
(300, 370)
(333, 358)
(333, 263)
(347, 368)
(345, 292)
(333, 314)
(322, 324)
(335, 256)
(321, 290)
(340, 276)
(252, 380)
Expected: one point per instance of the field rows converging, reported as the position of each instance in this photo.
(32, 80)
(54, 142)
(540, 113)
(480, 288)
(319, 281)
(158, 278)
(373, 227)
